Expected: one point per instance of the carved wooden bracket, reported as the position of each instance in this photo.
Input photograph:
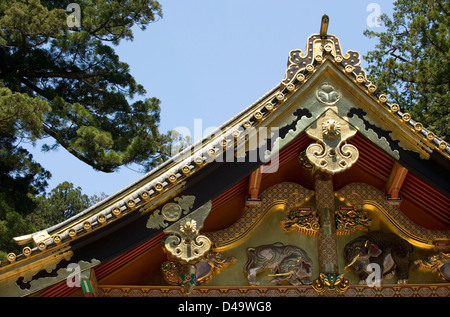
(253, 187)
(395, 181)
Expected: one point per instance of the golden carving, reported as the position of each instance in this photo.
(34, 264)
(310, 68)
(72, 232)
(186, 244)
(300, 77)
(330, 281)
(159, 187)
(26, 251)
(442, 145)
(145, 195)
(187, 250)
(42, 246)
(175, 272)
(372, 88)
(331, 129)
(87, 225)
(171, 212)
(331, 154)
(328, 94)
(57, 239)
(101, 219)
(117, 211)
(302, 219)
(11, 257)
(382, 98)
(280, 95)
(186, 169)
(418, 126)
(439, 263)
(131, 203)
(348, 220)
(394, 107)
(172, 178)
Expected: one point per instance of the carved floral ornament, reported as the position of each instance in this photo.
(331, 128)
(331, 154)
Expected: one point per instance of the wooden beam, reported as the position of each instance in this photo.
(395, 181)
(254, 184)
(89, 283)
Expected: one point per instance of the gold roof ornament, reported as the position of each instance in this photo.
(324, 25)
(185, 243)
(324, 94)
(331, 154)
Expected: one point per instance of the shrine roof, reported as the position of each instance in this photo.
(290, 107)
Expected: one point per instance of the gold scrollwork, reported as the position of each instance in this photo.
(171, 211)
(186, 249)
(437, 263)
(330, 281)
(185, 244)
(304, 220)
(348, 220)
(331, 154)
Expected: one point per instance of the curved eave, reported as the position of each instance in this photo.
(169, 178)
(119, 219)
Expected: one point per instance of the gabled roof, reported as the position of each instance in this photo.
(320, 79)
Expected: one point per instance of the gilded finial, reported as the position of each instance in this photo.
(324, 25)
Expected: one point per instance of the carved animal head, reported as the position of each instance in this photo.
(358, 252)
(303, 267)
(298, 268)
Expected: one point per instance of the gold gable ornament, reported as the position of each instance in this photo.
(185, 243)
(331, 154)
(187, 246)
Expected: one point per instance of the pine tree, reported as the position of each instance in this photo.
(411, 62)
(62, 82)
(61, 203)
(77, 81)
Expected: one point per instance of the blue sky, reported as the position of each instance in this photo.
(209, 59)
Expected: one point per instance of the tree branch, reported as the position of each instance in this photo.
(101, 167)
(71, 75)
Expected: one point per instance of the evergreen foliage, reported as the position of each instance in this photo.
(411, 63)
(65, 85)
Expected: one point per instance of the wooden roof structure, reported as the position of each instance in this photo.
(324, 117)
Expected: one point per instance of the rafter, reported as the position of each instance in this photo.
(395, 181)
(254, 186)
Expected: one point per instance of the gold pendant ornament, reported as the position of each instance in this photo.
(186, 244)
(331, 154)
(330, 281)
